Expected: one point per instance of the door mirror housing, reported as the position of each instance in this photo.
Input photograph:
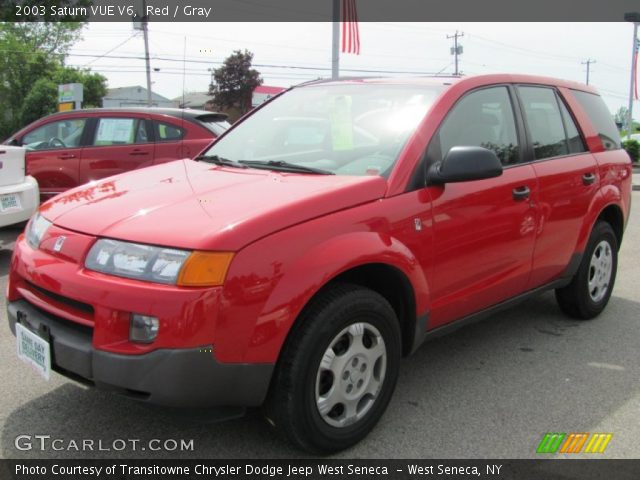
(463, 164)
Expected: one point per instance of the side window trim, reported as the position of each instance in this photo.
(151, 131)
(89, 132)
(564, 123)
(522, 132)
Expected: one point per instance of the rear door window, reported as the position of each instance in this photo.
(600, 117)
(544, 120)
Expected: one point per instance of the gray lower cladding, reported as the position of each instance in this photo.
(168, 377)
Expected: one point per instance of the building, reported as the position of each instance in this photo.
(262, 93)
(195, 100)
(135, 96)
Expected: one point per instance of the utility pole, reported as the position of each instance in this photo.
(588, 63)
(145, 32)
(456, 49)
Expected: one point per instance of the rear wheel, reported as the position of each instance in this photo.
(337, 370)
(590, 289)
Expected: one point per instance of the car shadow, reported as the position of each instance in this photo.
(489, 390)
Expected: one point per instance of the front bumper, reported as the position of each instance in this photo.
(170, 377)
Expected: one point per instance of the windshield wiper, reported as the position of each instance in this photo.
(281, 165)
(216, 160)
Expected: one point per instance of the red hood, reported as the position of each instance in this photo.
(195, 205)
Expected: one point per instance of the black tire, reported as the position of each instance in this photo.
(576, 299)
(291, 404)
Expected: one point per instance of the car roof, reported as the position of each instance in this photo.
(186, 113)
(473, 80)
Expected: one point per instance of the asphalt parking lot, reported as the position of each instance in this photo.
(491, 390)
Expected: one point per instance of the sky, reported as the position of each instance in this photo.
(183, 54)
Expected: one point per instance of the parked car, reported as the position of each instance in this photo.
(67, 149)
(326, 235)
(18, 192)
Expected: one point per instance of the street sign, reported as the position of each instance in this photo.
(70, 93)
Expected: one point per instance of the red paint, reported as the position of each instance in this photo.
(293, 233)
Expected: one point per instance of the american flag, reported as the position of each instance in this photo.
(350, 32)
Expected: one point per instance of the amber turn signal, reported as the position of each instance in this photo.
(205, 269)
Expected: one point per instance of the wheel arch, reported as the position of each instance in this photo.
(394, 286)
(383, 265)
(612, 214)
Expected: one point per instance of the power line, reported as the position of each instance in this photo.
(109, 51)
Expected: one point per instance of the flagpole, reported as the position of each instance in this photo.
(335, 47)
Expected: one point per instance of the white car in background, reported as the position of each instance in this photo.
(19, 195)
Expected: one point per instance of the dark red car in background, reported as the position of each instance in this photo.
(68, 149)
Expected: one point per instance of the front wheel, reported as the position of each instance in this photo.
(589, 291)
(337, 370)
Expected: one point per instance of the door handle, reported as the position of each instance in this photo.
(66, 156)
(588, 178)
(521, 193)
(136, 152)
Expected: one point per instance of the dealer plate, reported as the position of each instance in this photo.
(34, 350)
(10, 201)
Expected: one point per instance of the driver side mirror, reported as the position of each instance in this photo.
(463, 164)
(15, 142)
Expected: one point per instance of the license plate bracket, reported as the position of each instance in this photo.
(34, 346)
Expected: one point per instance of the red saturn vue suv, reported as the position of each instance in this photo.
(67, 149)
(320, 239)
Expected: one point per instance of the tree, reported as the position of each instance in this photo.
(46, 37)
(620, 116)
(31, 67)
(235, 81)
(42, 98)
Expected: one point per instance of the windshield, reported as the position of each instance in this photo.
(342, 129)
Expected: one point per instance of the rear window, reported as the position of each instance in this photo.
(215, 123)
(600, 117)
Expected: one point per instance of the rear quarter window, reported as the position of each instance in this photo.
(600, 117)
(165, 132)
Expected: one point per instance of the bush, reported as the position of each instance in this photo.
(633, 149)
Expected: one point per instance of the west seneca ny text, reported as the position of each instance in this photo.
(258, 471)
(113, 11)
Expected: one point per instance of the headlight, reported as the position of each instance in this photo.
(157, 264)
(37, 227)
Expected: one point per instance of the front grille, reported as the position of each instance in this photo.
(74, 304)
